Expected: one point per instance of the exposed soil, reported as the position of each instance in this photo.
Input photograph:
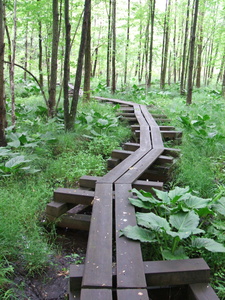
(53, 283)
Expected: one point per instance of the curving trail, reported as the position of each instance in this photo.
(114, 268)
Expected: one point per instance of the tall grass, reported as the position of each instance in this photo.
(60, 158)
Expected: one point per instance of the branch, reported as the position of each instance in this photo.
(35, 78)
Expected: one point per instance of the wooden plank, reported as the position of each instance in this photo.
(147, 185)
(135, 294)
(171, 134)
(129, 264)
(172, 151)
(88, 181)
(121, 154)
(112, 163)
(166, 128)
(77, 221)
(139, 168)
(98, 262)
(76, 196)
(122, 168)
(131, 146)
(56, 209)
(201, 291)
(96, 294)
(163, 160)
(176, 272)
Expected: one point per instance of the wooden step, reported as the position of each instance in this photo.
(147, 185)
(171, 134)
(88, 181)
(75, 196)
(131, 146)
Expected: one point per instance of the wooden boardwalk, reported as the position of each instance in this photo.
(114, 268)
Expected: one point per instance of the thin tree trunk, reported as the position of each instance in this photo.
(87, 63)
(128, 42)
(3, 142)
(66, 62)
(165, 48)
(152, 9)
(12, 67)
(69, 123)
(26, 52)
(109, 45)
(55, 43)
(40, 54)
(192, 54)
(200, 48)
(113, 87)
(184, 56)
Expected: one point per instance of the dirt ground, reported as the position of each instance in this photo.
(53, 284)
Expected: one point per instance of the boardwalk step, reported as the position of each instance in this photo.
(171, 134)
(75, 196)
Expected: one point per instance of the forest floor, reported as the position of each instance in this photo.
(52, 284)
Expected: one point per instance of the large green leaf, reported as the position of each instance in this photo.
(177, 193)
(184, 221)
(15, 161)
(178, 254)
(195, 202)
(208, 244)
(138, 233)
(141, 204)
(162, 195)
(150, 220)
(145, 197)
(220, 206)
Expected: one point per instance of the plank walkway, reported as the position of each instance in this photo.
(114, 268)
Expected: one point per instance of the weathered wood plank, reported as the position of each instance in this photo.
(201, 291)
(56, 209)
(132, 294)
(176, 272)
(98, 262)
(147, 185)
(139, 168)
(171, 134)
(96, 294)
(129, 264)
(88, 181)
(77, 221)
(76, 196)
(131, 146)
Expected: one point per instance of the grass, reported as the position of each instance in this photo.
(61, 159)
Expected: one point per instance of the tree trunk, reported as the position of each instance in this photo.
(184, 56)
(165, 48)
(40, 54)
(200, 48)
(109, 45)
(128, 42)
(192, 54)
(26, 52)
(12, 67)
(66, 61)
(113, 87)
(55, 43)
(2, 91)
(152, 9)
(87, 63)
(69, 122)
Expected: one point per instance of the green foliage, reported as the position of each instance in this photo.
(177, 219)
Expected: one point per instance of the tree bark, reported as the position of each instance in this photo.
(109, 45)
(87, 63)
(127, 42)
(2, 91)
(184, 56)
(165, 48)
(113, 88)
(54, 57)
(192, 54)
(152, 9)
(69, 122)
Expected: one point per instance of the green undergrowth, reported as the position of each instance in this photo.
(40, 157)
